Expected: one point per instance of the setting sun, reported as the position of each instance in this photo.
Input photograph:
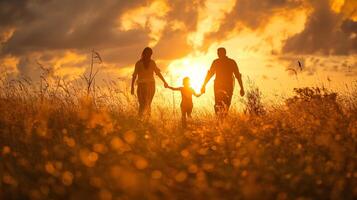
(109, 99)
(193, 67)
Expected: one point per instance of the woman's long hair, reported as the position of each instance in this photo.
(146, 57)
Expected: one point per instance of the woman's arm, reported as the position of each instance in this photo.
(174, 88)
(132, 84)
(158, 73)
(162, 78)
(133, 79)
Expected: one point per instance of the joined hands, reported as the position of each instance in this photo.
(242, 92)
(203, 89)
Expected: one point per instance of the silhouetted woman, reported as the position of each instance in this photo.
(144, 71)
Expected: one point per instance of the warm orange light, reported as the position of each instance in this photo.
(151, 17)
(336, 5)
(193, 67)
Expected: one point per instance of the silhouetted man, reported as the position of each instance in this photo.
(224, 68)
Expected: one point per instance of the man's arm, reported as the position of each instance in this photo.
(238, 76)
(209, 75)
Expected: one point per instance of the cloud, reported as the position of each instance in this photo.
(182, 20)
(46, 31)
(80, 25)
(251, 14)
(35, 29)
(330, 28)
(13, 12)
(60, 34)
(70, 24)
(172, 45)
(186, 12)
(169, 25)
(66, 64)
(326, 32)
(8, 65)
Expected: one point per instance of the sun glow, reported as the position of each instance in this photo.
(194, 67)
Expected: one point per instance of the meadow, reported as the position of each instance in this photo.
(59, 142)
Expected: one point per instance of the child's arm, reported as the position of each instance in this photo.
(173, 88)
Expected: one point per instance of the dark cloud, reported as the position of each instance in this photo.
(28, 68)
(174, 42)
(186, 12)
(253, 14)
(57, 26)
(13, 12)
(122, 55)
(70, 24)
(30, 65)
(326, 32)
(42, 26)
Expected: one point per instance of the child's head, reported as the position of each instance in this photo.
(186, 82)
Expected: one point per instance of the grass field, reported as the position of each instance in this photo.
(56, 143)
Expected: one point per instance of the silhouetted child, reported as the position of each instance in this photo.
(186, 102)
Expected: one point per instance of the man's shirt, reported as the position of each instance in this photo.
(224, 69)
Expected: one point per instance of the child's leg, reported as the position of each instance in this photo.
(183, 117)
(189, 111)
(184, 120)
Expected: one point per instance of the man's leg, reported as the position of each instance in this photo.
(218, 101)
(227, 99)
(223, 97)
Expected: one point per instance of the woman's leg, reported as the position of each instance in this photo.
(142, 93)
(150, 95)
(145, 93)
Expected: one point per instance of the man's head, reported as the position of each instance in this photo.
(221, 52)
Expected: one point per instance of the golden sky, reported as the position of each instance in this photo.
(265, 38)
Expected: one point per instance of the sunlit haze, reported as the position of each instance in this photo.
(267, 40)
(135, 99)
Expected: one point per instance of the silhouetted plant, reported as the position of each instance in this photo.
(65, 148)
(254, 105)
(314, 96)
(90, 78)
